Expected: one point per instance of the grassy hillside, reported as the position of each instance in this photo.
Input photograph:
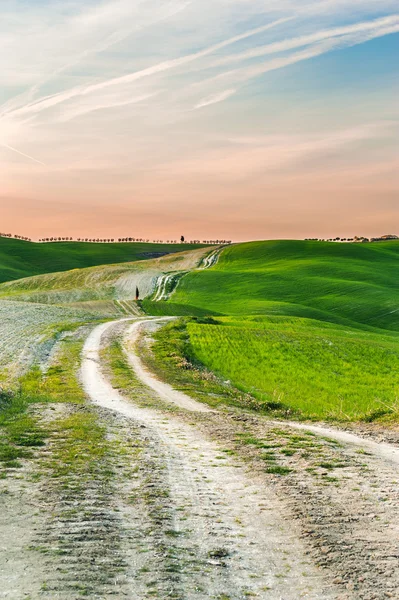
(326, 281)
(106, 289)
(293, 367)
(313, 328)
(23, 259)
(28, 333)
(323, 370)
(34, 310)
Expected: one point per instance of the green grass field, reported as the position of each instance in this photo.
(321, 370)
(341, 283)
(23, 259)
(310, 327)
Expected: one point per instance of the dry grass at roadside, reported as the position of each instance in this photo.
(61, 444)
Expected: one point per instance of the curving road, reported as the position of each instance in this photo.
(234, 527)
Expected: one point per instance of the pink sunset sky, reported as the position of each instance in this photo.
(213, 119)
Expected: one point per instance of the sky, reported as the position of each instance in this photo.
(213, 119)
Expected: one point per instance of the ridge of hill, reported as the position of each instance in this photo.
(19, 258)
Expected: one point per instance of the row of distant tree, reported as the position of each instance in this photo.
(132, 239)
(337, 239)
(356, 239)
(111, 240)
(184, 241)
(15, 236)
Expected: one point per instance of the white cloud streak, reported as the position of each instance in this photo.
(214, 99)
(117, 36)
(376, 27)
(318, 43)
(97, 30)
(316, 50)
(39, 162)
(55, 99)
(113, 103)
(357, 35)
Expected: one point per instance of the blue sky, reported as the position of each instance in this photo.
(227, 118)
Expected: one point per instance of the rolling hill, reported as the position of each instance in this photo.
(23, 259)
(344, 283)
(305, 328)
(105, 289)
(309, 329)
(34, 310)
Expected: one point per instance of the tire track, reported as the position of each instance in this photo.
(382, 450)
(212, 259)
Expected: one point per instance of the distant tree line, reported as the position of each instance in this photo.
(69, 239)
(337, 239)
(113, 240)
(15, 236)
(57, 239)
(132, 239)
(356, 239)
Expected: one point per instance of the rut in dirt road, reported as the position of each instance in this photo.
(212, 259)
(164, 390)
(222, 535)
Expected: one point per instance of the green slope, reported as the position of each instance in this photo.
(311, 329)
(105, 289)
(335, 282)
(290, 366)
(23, 259)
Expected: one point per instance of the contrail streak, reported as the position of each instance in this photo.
(55, 99)
(378, 25)
(23, 154)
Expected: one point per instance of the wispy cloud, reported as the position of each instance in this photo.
(110, 103)
(376, 27)
(89, 97)
(316, 45)
(241, 157)
(83, 90)
(73, 40)
(214, 99)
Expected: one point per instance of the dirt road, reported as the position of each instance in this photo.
(228, 528)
